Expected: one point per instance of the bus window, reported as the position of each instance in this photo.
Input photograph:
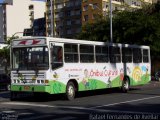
(70, 53)
(101, 54)
(145, 55)
(86, 54)
(137, 55)
(114, 54)
(56, 57)
(126, 55)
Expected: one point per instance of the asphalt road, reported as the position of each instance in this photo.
(141, 102)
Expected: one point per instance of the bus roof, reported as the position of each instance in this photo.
(76, 41)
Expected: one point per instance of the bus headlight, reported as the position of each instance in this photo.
(42, 81)
(46, 81)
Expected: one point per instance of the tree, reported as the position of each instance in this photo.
(5, 54)
(141, 27)
(95, 31)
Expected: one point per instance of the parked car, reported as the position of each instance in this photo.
(4, 82)
(156, 76)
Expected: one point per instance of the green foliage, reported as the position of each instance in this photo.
(95, 31)
(5, 54)
(140, 26)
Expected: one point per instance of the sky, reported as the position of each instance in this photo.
(39, 0)
(1, 1)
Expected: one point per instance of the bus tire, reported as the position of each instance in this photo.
(8, 87)
(125, 85)
(70, 91)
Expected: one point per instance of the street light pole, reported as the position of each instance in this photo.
(111, 31)
(51, 18)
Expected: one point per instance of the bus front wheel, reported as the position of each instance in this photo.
(70, 91)
(125, 85)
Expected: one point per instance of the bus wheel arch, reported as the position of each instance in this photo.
(125, 84)
(71, 89)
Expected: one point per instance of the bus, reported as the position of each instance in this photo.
(58, 65)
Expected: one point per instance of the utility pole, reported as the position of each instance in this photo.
(111, 31)
(52, 18)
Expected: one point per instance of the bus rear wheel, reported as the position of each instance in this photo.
(70, 91)
(125, 85)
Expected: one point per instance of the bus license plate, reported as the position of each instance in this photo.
(26, 87)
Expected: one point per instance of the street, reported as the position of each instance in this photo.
(141, 102)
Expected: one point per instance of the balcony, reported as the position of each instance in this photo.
(118, 2)
(48, 20)
(48, 3)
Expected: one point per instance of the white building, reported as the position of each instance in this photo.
(16, 17)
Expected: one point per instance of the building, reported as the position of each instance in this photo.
(3, 28)
(38, 28)
(66, 16)
(16, 17)
(92, 8)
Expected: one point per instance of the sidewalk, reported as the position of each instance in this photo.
(150, 85)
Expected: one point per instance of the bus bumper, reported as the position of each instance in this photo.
(31, 88)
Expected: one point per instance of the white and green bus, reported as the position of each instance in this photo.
(57, 65)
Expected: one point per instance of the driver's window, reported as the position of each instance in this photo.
(56, 57)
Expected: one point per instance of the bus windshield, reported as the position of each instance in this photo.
(30, 58)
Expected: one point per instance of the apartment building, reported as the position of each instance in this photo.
(3, 28)
(64, 16)
(92, 8)
(15, 17)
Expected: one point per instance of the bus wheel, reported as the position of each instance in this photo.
(125, 85)
(8, 87)
(70, 91)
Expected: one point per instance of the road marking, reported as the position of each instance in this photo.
(130, 101)
(84, 108)
(66, 118)
(89, 109)
(25, 113)
(37, 117)
(42, 105)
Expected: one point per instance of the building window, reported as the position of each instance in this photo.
(77, 12)
(68, 13)
(95, 6)
(59, 6)
(31, 7)
(77, 3)
(85, 8)
(69, 31)
(84, 0)
(72, 13)
(78, 30)
(69, 4)
(68, 22)
(86, 18)
(78, 22)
